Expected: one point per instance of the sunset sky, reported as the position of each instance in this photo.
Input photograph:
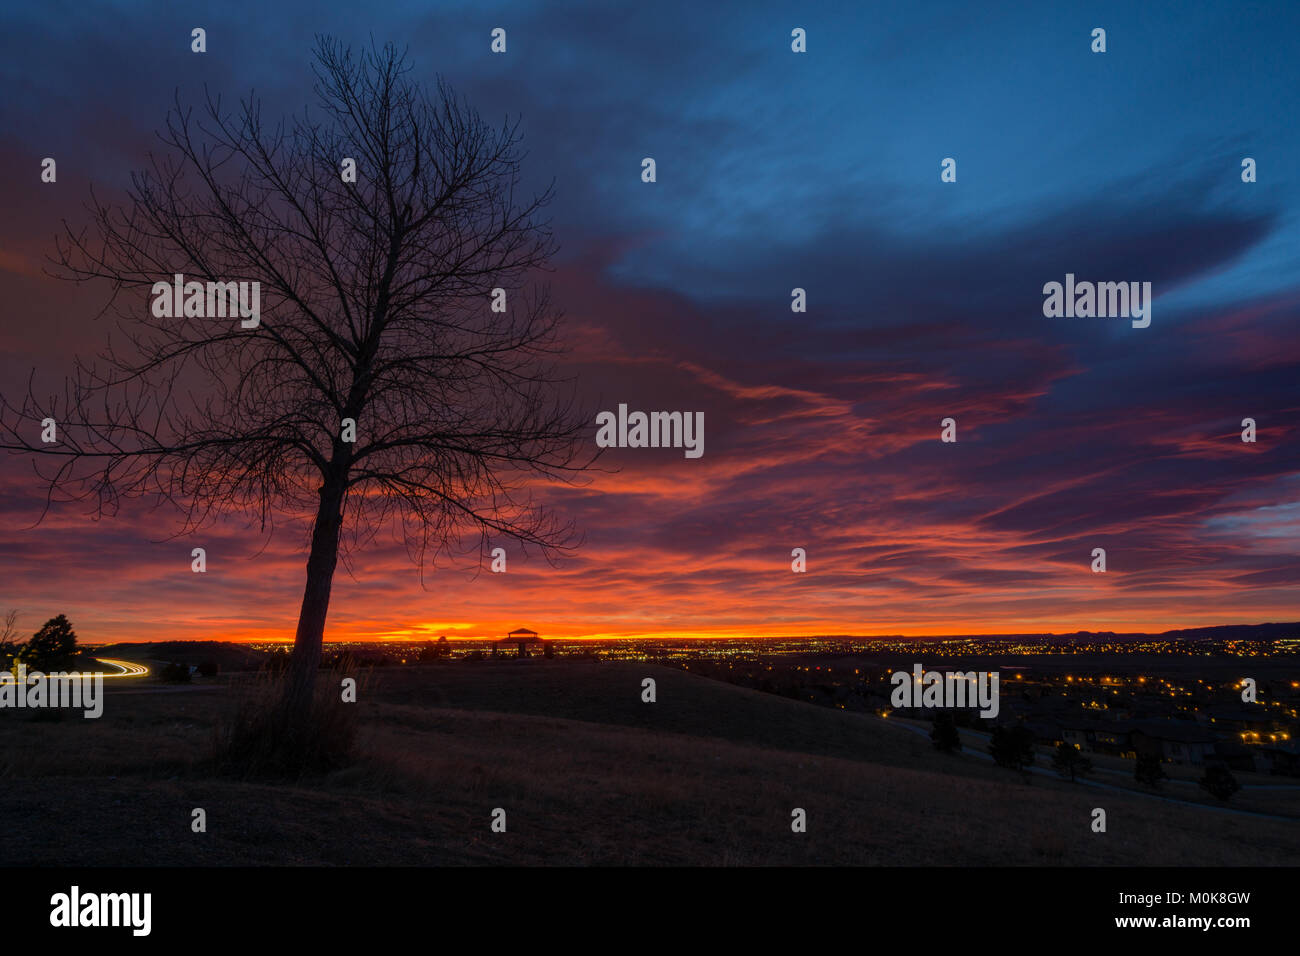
(775, 170)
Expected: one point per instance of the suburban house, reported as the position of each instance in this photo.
(1283, 759)
(1250, 725)
(1174, 740)
(1098, 736)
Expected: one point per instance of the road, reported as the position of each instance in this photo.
(125, 668)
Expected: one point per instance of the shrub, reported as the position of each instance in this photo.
(175, 674)
(1012, 747)
(262, 739)
(944, 733)
(1220, 782)
(1069, 763)
(1148, 770)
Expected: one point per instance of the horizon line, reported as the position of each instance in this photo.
(717, 637)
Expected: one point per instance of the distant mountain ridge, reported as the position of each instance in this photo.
(226, 654)
(1219, 632)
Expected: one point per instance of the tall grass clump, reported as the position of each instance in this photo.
(263, 738)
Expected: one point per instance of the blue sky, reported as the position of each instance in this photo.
(756, 144)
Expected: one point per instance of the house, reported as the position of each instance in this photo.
(1097, 736)
(1177, 741)
(1077, 731)
(1114, 737)
(1250, 725)
(1017, 707)
(1046, 731)
(1234, 755)
(1282, 759)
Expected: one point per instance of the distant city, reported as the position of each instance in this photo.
(1121, 696)
(656, 649)
(1176, 696)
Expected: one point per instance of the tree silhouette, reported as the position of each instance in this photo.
(376, 306)
(53, 646)
(8, 638)
(1012, 747)
(1069, 763)
(944, 734)
(1219, 782)
(1148, 770)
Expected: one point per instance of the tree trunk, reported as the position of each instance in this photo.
(305, 660)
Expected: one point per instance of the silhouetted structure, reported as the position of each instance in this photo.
(1171, 740)
(522, 637)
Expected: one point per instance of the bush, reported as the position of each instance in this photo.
(1148, 770)
(208, 668)
(1069, 763)
(1012, 747)
(1220, 782)
(262, 739)
(175, 674)
(944, 733)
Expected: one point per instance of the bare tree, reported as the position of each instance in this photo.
(376, 306)
(8, 636)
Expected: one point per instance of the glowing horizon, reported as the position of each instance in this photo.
(753, 634)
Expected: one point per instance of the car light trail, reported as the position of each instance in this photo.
(127, 668)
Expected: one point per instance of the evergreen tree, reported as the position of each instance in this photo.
(1069, 762)
(1220, 782)
(944, 734)
(52, 647)
(1149, 771)
(1012, 747)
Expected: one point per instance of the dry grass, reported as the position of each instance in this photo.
(709, 775)
(263, 740)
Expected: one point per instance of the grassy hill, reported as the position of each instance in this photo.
(586, 772)
(228, 656)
